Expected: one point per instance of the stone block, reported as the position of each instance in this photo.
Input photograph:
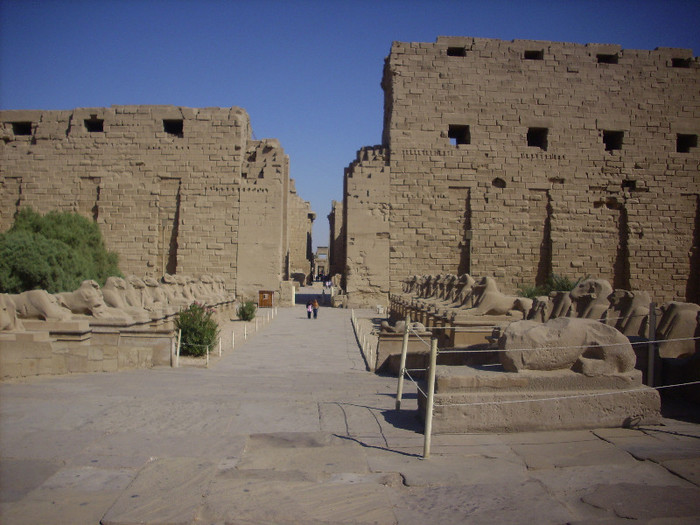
(469, 399)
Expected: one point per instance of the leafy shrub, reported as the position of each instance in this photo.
(554, 283)
(55, 252)
(246, 311)
(199, 330)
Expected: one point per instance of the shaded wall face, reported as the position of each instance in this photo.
(300, 235)
(521, 159)
(368, 228)
(336, 246)
(165, 184)
(262, 219)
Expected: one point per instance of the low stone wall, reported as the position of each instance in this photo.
(25, 354)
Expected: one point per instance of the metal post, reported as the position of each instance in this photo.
(207, 356)
(245, 332)
(233, 339)
(651, 348)
(177, 353)
(402, 365)
(431, 397)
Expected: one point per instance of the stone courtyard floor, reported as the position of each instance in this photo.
(289, 428)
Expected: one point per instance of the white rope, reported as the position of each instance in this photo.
(575, 396)
(415, 383)
(410, 329)
(476, 351)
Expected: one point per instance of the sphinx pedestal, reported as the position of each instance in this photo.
(480, 400)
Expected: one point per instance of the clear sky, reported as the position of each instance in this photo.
(307, 72)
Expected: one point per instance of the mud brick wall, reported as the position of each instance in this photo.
(300, 241)
(367, 193)
(173, 189)
(336, 246)
(518, 159)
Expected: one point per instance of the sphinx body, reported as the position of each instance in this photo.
(39, 304)
(582, 345)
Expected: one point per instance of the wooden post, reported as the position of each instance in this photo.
(177, 353)
(430, 398)
(402, 365)
(651, 348)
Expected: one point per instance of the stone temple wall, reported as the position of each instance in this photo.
(300, 241)
(173, 189)
(336, 241)
(518, 159)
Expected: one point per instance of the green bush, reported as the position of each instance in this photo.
(55, 253)
(554, 283)
(199, 330)
(246, 311)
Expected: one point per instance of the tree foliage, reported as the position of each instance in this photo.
(246, 311)
(554, 283)
(200, 330)
(54, 252)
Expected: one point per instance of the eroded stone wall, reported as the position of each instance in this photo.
(300, 239)
(367, 208)
(174, 189)
(336, 246)
(517, 159)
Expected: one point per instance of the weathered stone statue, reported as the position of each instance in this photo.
(135, 290)
(155, 298)
(628, 312)
(173, 291)
(400, 327)
(186, 289)
(39, 304)
(209, 287)
(8, 314)
(88, 300)
(678, 321)
(582, 345)
(590, 298)
(488, 300)
(114, 293)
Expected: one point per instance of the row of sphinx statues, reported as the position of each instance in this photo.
(121, 300)
(448, 299)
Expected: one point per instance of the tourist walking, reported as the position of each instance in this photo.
(309, 309)
(314, 304)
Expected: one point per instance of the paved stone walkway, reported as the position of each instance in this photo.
(289, 428)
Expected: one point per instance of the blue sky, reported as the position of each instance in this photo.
(307, 72)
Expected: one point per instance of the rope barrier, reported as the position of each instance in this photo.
(415, 383)
(575, 396)
(657, 341)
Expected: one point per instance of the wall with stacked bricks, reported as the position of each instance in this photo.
(518, 159)
(173, 189)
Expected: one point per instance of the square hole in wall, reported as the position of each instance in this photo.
(173, 127)
(680, 62)
(94, 125)
(613, 139)
(685, 142)
(607, 58)
(22, 128)
(534, 54)
(456, 52)
(537, 138)
(459, 134)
